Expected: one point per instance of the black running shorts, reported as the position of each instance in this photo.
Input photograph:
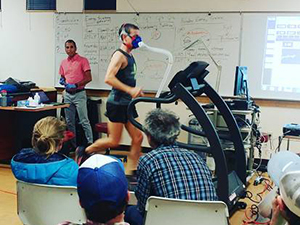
(118, 113)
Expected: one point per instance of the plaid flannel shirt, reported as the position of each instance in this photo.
(172, 172)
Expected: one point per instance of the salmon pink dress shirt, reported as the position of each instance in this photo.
(73, 69)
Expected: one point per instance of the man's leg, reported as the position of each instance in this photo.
(80, 101)
(115, 133)
(70, 114)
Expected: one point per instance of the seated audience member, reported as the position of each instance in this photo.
(168, 171)
(287, 205)
(102, 189)
(43, 163)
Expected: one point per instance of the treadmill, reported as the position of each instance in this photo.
(186, 85)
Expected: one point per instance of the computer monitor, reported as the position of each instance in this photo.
(241, 82)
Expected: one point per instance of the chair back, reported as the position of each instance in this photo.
(166, 211)
(40, 204)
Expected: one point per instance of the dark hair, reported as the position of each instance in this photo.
(126, 27)
(71, 41)
(104, 211)
(291, 217)
(162, 126)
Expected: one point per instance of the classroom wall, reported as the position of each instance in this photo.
(272, 121)
(27, 48)
(207, 5)
(26, 43)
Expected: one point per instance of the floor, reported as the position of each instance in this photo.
(8, 197)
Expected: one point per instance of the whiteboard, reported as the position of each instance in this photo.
(97, 39)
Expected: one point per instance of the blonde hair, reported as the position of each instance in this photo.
(47, 135)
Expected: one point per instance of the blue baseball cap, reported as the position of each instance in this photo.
(101, 178)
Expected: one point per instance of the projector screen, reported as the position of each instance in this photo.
(271, 51)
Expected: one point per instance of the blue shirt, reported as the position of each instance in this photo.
(55, 169)
(172, 172)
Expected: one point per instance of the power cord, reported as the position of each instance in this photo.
(280, 141)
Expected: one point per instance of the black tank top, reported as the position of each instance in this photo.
(126, 76)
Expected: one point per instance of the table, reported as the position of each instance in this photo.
(51, 93)
(288, 138)
(17, 126)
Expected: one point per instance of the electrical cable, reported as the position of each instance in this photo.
(254, 212)
(255, 222)
(258, 145)
(280, 140)
(249, 195)
(137, 13)
(271, 144)
(247, 124)
(260, 161)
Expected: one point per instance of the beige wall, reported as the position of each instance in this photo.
(207, 5)
(272, 120)
(26, 43)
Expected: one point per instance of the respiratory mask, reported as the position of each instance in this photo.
(135, 41)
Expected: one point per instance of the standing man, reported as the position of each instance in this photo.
(168, 170)
(120, 75)
(75, 73)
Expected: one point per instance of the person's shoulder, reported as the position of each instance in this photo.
(56, 157)
(72, 163)
(188, 153)
(81, 57)
(168, 151)
(150, 156)
(24, 155)
(27, 151)
(65, 163)
(119, 54)
(118, 58)
(65, 60)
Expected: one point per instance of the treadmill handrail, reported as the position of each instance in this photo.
(212, 136)
(236, 137)
(202, 133)
(133, 102)
(198, 148)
